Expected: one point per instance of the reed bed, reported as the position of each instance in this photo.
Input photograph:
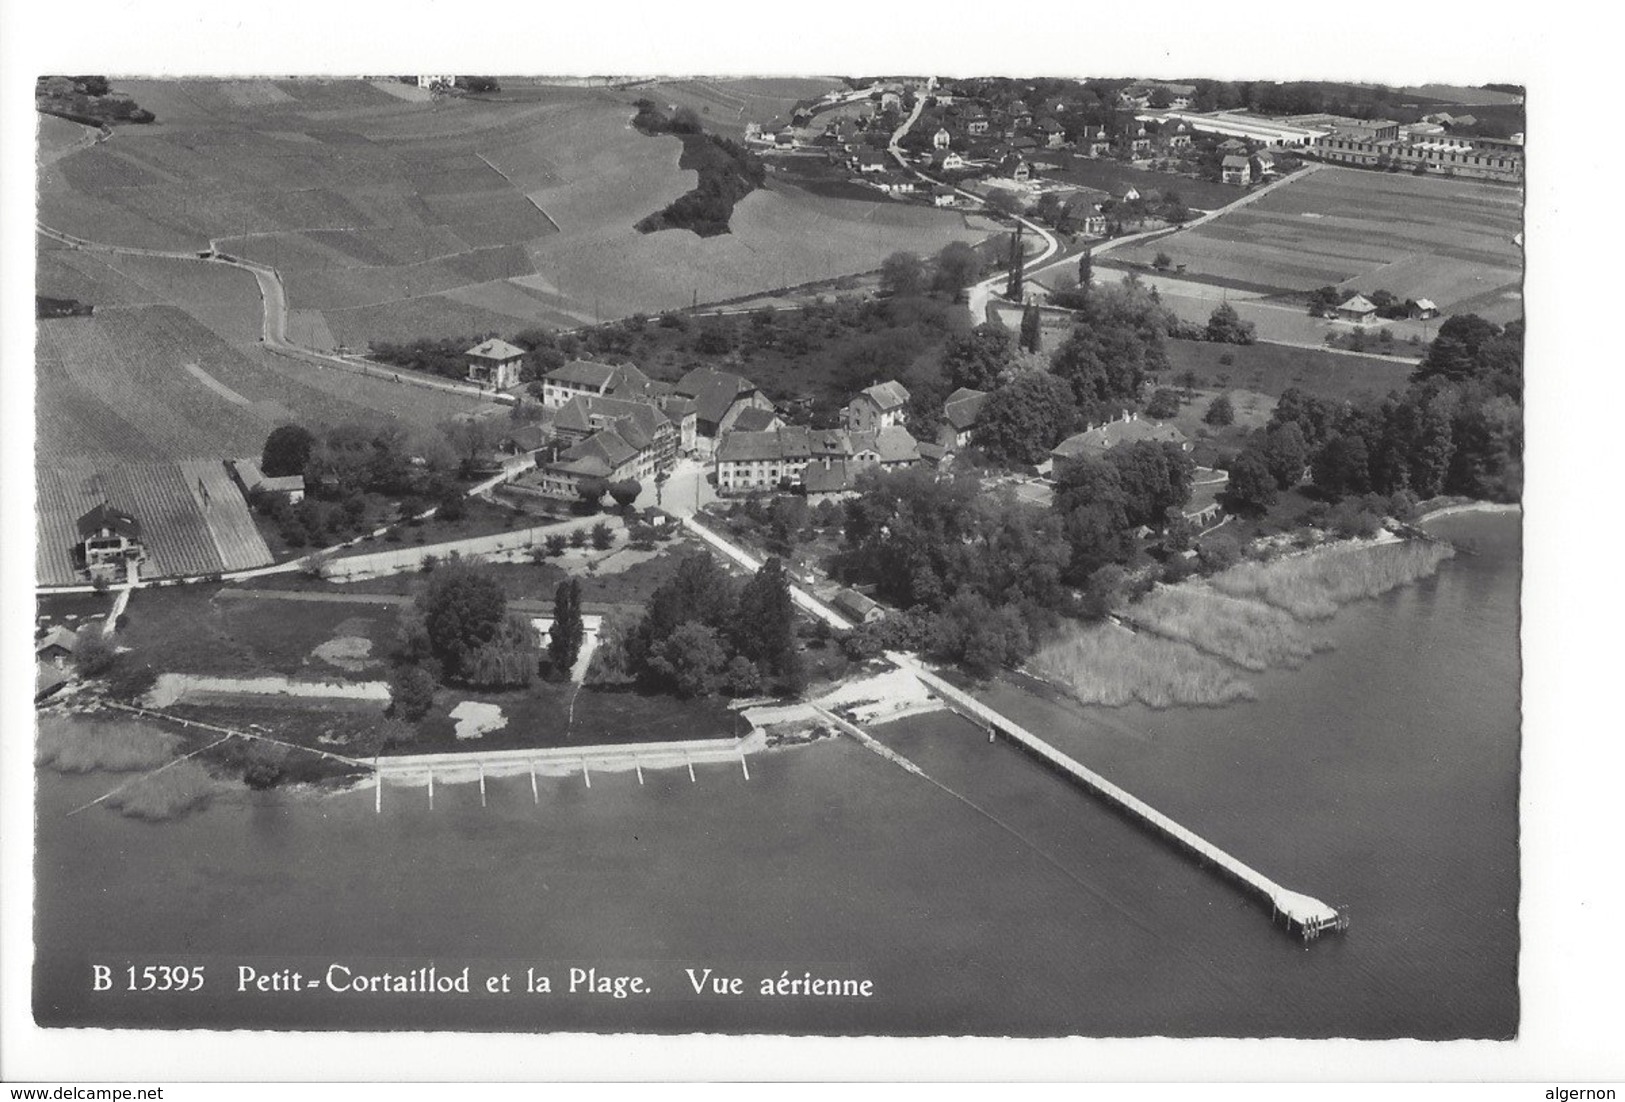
(1253, 635)
(1103, 664)
(179, 790)
(83, 745)
(1311, 587)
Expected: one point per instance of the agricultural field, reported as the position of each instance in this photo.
(394, 218)
(1448, 240)
(193, 518)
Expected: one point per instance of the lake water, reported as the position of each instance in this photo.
(1382, 776)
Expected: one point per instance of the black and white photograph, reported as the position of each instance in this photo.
(994, 550)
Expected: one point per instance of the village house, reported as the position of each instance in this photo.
(1139, 142)
(1053, 134)
(978, 124)
(289, 487)
(110, 546)
(1094, 141)
(822, 462)
(959, 416)
(640, 422)
(1126, 194)
(1236, 169)
(749, 462)
(1127, 429)
(495, 363)
(719, 398)
(941, 139)
(1016, 167)
(1357, 308)
(944, 196)
(1177, 136)
(592, 378)
(871, 160)
(756, 419)
(948, 161)
(1264, 164)
(1423, 309)
(877, 407)
(604, 455)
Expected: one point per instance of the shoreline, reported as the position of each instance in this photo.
(1469, 507)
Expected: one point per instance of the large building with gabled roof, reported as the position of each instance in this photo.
(495, 363)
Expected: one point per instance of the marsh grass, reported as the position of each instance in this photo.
(81, 745)
(183, 788)
(1253, 635)
(1311, 587)
(1102, 664)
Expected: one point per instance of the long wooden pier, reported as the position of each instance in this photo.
(1302, 914)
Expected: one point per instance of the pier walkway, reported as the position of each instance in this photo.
(1304, 914)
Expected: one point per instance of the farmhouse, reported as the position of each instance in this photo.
(756, 419)
(1128, 429)
(1236, 170)
(588, 377)
(110, 544)
(494, 363)
(719, 398)
(290, 487)
(959, 416)
(1126, 194)
(944, 196)
(1423, 309)
(1357, 308)
(877, 407)
(747, 461)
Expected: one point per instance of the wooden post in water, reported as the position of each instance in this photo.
(536, 797)
(690, 761)
(745, 768)
(378, 791)
(482, 783)
(636, 764)
(431, 788)
(586, 772)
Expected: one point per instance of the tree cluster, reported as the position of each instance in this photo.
(1457, 429)
(704, 632)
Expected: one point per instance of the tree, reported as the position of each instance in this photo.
(902, 275)
(556, 542)
(1086, 271)
(1220, 412)
(1031, 327)
(1165, 403)
(689, 661)
(1162, 262)
(1285, 454)
(764, 629)
(462, 612)
(603, 536)
(1026, 417)
(565, 636)
(957, 267)
(470, 437)
(1224, 326)
(976, 359)
(452, 506)
(286, 451)
(591, 491)
(93, 655)
(411, 693)
(625, 492)
(1252, 487)
(742, 678)
(1012, 286)
(1342, 466)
